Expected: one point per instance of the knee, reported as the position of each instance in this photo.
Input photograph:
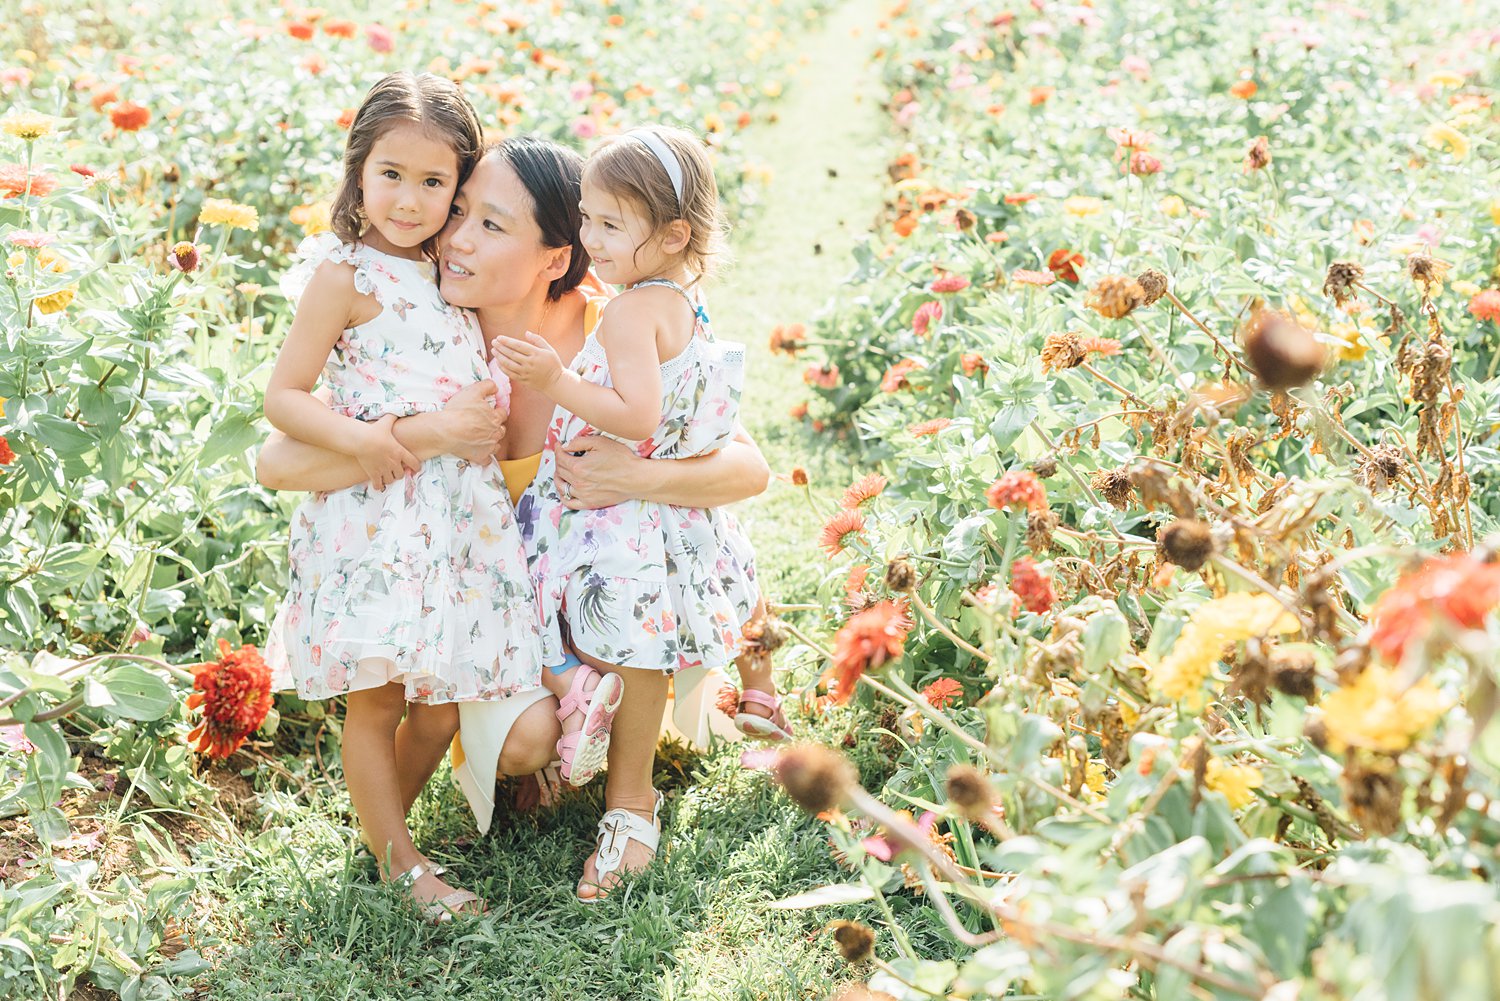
(531, 744)
(433, 724)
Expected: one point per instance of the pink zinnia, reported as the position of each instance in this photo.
(926, 313)
(1041, 279)
(380, 38)
(950, 283)
(30, 238)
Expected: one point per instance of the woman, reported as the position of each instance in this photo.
(511, 253)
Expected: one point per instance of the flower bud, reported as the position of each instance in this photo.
(816, 778)
(970, 791)
(1283, 353)
(1186, 542)
(855, 941)
(184, 257)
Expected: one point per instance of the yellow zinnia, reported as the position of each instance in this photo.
(1083, 205)
(1378, 711)
(1354, 341)
(1215, 625)
(223, 212)
(28, 125)
(314, 218)
(1172, 206)
(1234, 781)
(1446, 78)
(1440, 135)
(1495, 211)
(57, 301)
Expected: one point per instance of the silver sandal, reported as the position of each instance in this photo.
(617, 829)
(445, 908)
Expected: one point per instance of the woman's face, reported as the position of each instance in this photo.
(491, 249)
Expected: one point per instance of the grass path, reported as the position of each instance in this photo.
(298, 917)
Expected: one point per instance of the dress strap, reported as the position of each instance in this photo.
(700, 313)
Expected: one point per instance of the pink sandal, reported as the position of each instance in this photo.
(584, 751)
(775, 728)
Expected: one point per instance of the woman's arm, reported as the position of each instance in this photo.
(469, 427)
(608, 472)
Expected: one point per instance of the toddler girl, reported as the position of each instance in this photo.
(644, 584)
(408, 593)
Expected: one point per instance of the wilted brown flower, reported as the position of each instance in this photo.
(1373, 790)
(1258, 156)
(1114, 485)
(1045, 467)
(1341, 278)
(1062, 351)
(1153, 285)
(1115, 296)
(1427, 271)
(1295, 672)
(899, 575)
(1281, 351)
(855, 942)
(799, 476)
(817, 778)
(762, 636)
(1383, 466)
(971, 792)
(1039, 526)
(1186, 542)
(1431, 371)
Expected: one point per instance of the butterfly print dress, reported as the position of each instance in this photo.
(425, 582)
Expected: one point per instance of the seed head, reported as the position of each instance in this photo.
(899, 575)
(855, 942)
(1186, 542)
(1153, 284)
(1258, 156)
(1340, 280)
(1062, 351)
(1384, 465)
(1295, 672)
(1114, 485)
(970, 791)
(1045, 467)
(1282, 352)
(817, 778)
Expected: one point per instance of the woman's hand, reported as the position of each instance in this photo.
(531, 362)
(384, 459)
(602, 474)
(473, 426)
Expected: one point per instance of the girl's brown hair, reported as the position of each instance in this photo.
(628, 169)
(435, 103)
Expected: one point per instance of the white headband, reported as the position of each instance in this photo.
(668, 159)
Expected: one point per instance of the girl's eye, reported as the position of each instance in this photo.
(433, 182)
(492, 226)
(391, 174)
(609, 225)
(455, 210)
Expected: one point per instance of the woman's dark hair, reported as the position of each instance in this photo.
(551, 173)
(435, 103)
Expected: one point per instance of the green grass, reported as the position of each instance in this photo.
(296, 915)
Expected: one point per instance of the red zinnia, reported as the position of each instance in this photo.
(950, 283)
(1064, 263)
(1019, 198)
(1142, 164)
(797, 411)
(6, 455)
(381, 39)
(1486, 305)
(895, 376)
(922, 429)
(941, 692)
(235, 695)
(128, 116)
(1455, 590)
(299, 29)
(788, 339)
(837, 533)
(82, 170)
(1032, 586)
(972, 363)
(823, 376)
(926, 314)
(864, 489)
(1017, 488)
(13, 181)
(865, 642)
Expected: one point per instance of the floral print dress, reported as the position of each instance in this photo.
(423, 583)
(643, 584)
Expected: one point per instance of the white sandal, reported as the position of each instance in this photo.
(617, 829)
(445, 908)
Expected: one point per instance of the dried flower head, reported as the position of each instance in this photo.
(728, 700)
(234, 693)
(1281, 351)
(762, 636)
(855, 942)
(900, 576)
(1295, 672)
(1383, 466)
(1115, 296)
(971, 792)
(1114, 485)
(1427, 271)
(1062, 351)
(788, 339)
(1341, 279)
(1045, 467)
(1373, 789)
(1258, 156)
(1186, 542)
(817, 778)
(1153, 285)
(1039, 528)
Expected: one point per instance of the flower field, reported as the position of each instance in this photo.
(1150, 448)
(1173, 360)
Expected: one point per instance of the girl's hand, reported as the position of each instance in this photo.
(531, 362)
(602, 474)
(384, 459)
(472, 426)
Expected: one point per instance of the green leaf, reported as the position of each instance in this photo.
(1105, 637)
(1010, 421)
(230, 436)
(137, 693)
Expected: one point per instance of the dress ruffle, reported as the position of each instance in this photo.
(320, 247)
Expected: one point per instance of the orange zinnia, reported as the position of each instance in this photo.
(6, 455)
(895, 376)
(1041, 279)
(1032, 586)
(234, 693)
(14, 181)
(1017, 488)
(838, 533)
(869, 639)
(941, 692)
(128, 116)
(1454, 591)
(922, 429)
(862, 491)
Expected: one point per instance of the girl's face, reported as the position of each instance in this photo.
(491, 251)
(618, 237)
(406, 186)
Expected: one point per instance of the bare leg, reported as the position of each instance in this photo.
(632, 753)
(755, 672)
(421, 741)
(370, 723)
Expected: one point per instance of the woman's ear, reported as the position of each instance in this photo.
(679, 233)
(557, 264)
